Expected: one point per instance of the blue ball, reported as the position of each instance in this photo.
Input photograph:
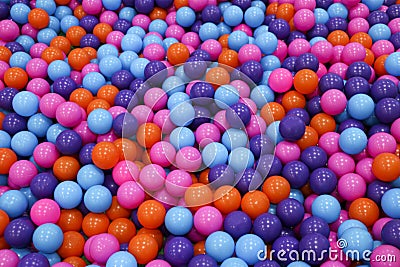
(254, 17)
(261, 95)
(159, 26)
(54, 24)
(214, 154)
(27, 42)
(19, 13)
(68, 21)
(53, 258)
(121, 259)
(176, 99)
(373, 4)
(297, 194)
(233, 15)
(392, 64)
(137, 67)
(38, 124)
(270, 63)
(48, 6)
(350, 224)
(267, 42)
(179, 221)
(127, 58)
(353, 140)
(89, 175)
(326, 207)
(68, 194)
(234, 138)
(180, 72)
(379, 32)
(25, 103)
(225, 96)
(137, 30)
(237, 39)
(167, 42)
(47, 238)
(173, 84)
(111, 4)
(185, 16)
(240, 159)
(19, 59)
(5, 139)
(223, 29)
(127, 13)
(390, 203)
(23, 143)
(29, 196)
(93, 81)
(152, 39)
(337, 10)
(358, 241)
(248, 248)
(100, 121)
(182, 114)
(220, 246)
(97, 199)
(14, 203)
(208, 31)
(360, 106)
(321, 16)
(53, 131)
(62, 11)
(107, 50)
(273, 132)
(181, 137)
(234, 262)
(110, 65)
(58, 69)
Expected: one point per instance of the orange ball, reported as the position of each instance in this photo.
(127, 149)
(227, 199)
(309, 138)
(369, 57)
(4, 220)
(95, 223)
(386, 167)
(62, 2)
(116, 210)
(78, 59)
(305, 81)
(272, 111)
(218, 76)
(75, 261)
(123, 229)
(62, 43)
(323, 123)
(15, 77)
(108, 93)
(229, 57)
(362, 38)
(7, 158)
(203, 177)
(148, 134)
(66, 168)
(223, 40)
(255, 203)
(198, 195)
(2, 116)
(285, 11)
(75, 34)
(276, 188)
(293, 99)
(105, 155)
(91, 52)
(72, 245)
(272, 8)
(51, 54)
(144, 248)
(5, 54)
(177, 53)
(365, 210)
(338, 37)
(70, 220)
(154, 233)
(3, 243)
(151, 214)
(181, 3)
(79, 13)
(379, 65)
(158, 13)
(82, 97)
(97, 103)
(101, 30)
(200, 248)
(38, 18)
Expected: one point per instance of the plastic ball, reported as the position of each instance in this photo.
(326, 207)
(178, 220)
(389, 202)
(14, 203)
(122, 258)
(249, 253)
(47, 238)
(68, 194)
(219, 246)
(360, 244)
(34, 259)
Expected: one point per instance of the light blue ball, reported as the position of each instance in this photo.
(353, 140)
(233, 15)
(127, 13)
(97, 199)
(53, 258)
(265, 77)
(321, 16)
(223, 29)
(392, 64)
(19, 13)
(5, 139)
(180, 72)
(176, 99)
(58, 69)
(338, 10)
(357, 240)
(107, 50)
(127, 58)
(137, 67)
(121, 259)
(270, 63)
(182, 114)
(317, 39)
(53, 131)
(234, 262)
(29, 196)
(179, 221)
(223, 6)
(68, 21)
(23, 143)
(225, 96)
(254, 16)
(172, 85)
(100, 121)
(373, 4)
(326, 207)
(379, 32)
(181, 137)
(25, 103)
(208, 31)
(248, 247)
(342, 116)
(185, 16)
(273, 132)
(111, 4)
(136, 30)
(240, 159)
(159, 26)
(350, 224)
(68, 194)
(261, 95)
(234, 138)
(298, 264)
(21, 252)
(109, 65)
(360, 106)
(259, 4)
(396, 183)
(93, 81)
(62, 11)
(272, 209)
(46, 35)
(297, 194)
(19, 59)
(48, 5)
(89, 175)
(390, 203)
(47, 238)
(14, 203)
(27, 42)
(152, 39)
(220, 246)
(267, 42)
(38, 124)
(237, 39)
(214, 154)
(54, 24)
(167, 42)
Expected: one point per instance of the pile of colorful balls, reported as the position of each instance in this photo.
(196, 133)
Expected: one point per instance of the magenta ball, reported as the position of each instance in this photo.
(378, 226)
(162, 153)
(8, 258)
(9, 30)
(45, 155)
(45, 211)
(130, 195)
(102, 247)
(304, 19)
(351, 186)
(188, 159)
(384, 252)
(152, 177)
(381, 143)
(177, 182)
(341, 163)
(125, 171)
(333, 102)
(280, 80)
(287, 151)
(21, 173)
(207, 220)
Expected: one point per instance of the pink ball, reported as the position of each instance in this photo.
(381, 143)
(158, 263)
(364, 168)
(333, 102)
(191, 38)
(249, 52)
(86, 248)
(143, 114)
(116, 110)
(38, 86)
(350, 3)
(154, 52)
(8, 258)
(102, 247)
(337, 54)
(45, 155)
(125, 171)
(207, 220)
(166, 198)
(115, 38)
(45, 211)
(177, 182)
(358, 25)
(91, 67)
(21, 173)
(162, 153)
(85, 133)
(9, 30)
(206, 134)
(36, 68)
(188, 159)
(107, 137)
(250, 103)
(76, 76)
(358, 11)
(378, 226)
(304, 19)
(92, 7)
(332, 264)
(244, 28)
(395, 130)
(281, 50)
(332, 236)
(175, 31)
(220, 121)
(142, 21)
(280, 80)
(394, 25)
(287, 151)
(152, 177)
(304, 4)
(390, 253)
(339, 69)
(69, 114)
(341, 164)
(27, 29)
(213, 47)
(242, 87)
(351, 186)
(382, 47)
(130, 195)
(162, 120)
(73, 4)
(197, 5)
(108, 17)
(256, 126)
(298, 47)
(337, 253)
(155, 98)
(37, 49)
(195, 236)
(171, 18)
(62, 264)
(320, 72)
(3, 68)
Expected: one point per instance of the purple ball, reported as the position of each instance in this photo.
(68, 142)
(129, 3)
(221, 175)
(155, 72)
(201, 54)
(268, 165)
(314, 225)
(349, 123)
(267, 263)
(136, 84)
(317, 243)
(290, 212)
(201, 93)
(15, 46)
(376, 189)
(85, 154)
(144, 6)
(314, 157)
(269, 18)
(196, 26)
(90, 40)
(336, 23)
(238, 115)
(202, 115)
(295, 35)
(83, 209)
(260, 145)
(356, 85)
(286, 244)
(237, 224)
(292, 128)
(296, 173)
(164, 3)
(124, 98)
(19, 232)
(377, 17)
(300, 113)
(122, 79)
(110, 184)
(307, 61)
(287, 232)
(330, 81)
(253, 70)
(393, 11)
(122, 25)
(289, 63)
(384, 88)
(243, 4)
(43, 185)
(248, 180)
(319, 30)
(14, 123)
(202, 261)
(324, 4)
(178, 251)
(4, 10)
(360, 69)
(378, 128)
(313, 106)
(88, 23)
(268, 227)
(64, 86)
(395, 40)
(323, 181)
(34, 259)
(195, 68)
(280, 28)
(391, 233)
(387, 110)
(125, 125)
(212, 14)
(6, 98)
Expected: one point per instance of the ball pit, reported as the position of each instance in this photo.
(199, 133)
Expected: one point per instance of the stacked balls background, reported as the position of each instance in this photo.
(199, 133)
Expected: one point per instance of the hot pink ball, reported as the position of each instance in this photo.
(143, 114)
(188, 159)
(3, 68)
(287, 151)
(359, 11)
(382, 47)
(337, 54)
(45, 211)
(351, 186)
(152, 177)
(154, 52)
(107, 137)
(244, 28)
(175, 31)
(116, 110)
(62, 264)
(191, 38)
(320, 72)
(158, 263)
(162, 153)
(197, 5)
(156, 99)
(304, 4)
(213, 47)
(304, 19)
(242, 87)
(353, 52)
(171, 18)
(381, 143)
(394, 25)
(364, 168)
(69, 114)
(332, 263)
(177, 182)
(206, 134)
(256, 126)
(8, 258)
(125, 171)
(350, 3)
(130, 195)
(395, 130)
(207, 220)
(339, 69)
(76, 76)
(22, 172)
(36, 68)
(250, 104)
(332, 236)
(249, 52)
(383, 252)
(337, 253)
(38, 86)
(92, 7)
(73, 4)
(49, 103)
(281, 50)
(27, 29)
(9, 30)
(85, 133)
(166, 198)
(142, 21)
(280, 80)
(115, 38)
(341, 164)
(298, 47)
(91, 67)
(162, 120)
(108, 17)
(357, 25)
(378, 226)
(45, 155)
(102, 247)
(333, 102)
